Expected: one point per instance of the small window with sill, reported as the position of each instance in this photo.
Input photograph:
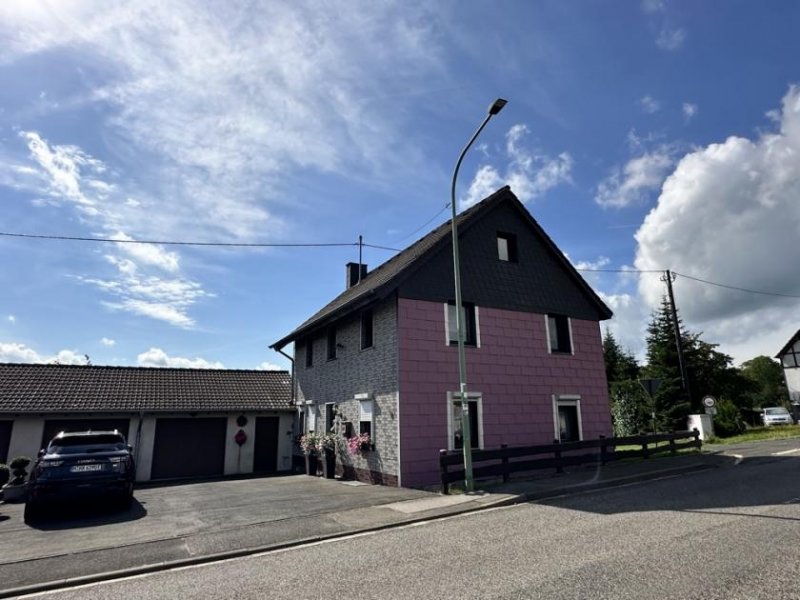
(507, 247)
(559, 334)
(468, 321)
(456, 435)
(365, 419)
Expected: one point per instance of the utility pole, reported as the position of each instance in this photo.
(669, 277)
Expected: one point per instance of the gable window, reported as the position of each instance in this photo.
(791, 359)
(567, 418)
(507, 247)
(366, 329)
(309, 352)
(455, 430)
(559, 334)
(331, 342)
(469, 320)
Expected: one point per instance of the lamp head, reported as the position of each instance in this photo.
(497, 106)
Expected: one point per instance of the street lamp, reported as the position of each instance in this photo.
(466, 436)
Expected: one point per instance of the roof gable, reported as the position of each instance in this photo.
(788, 344)
(40, 388)
(390, 275)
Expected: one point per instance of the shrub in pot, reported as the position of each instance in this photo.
(5, 474)
(15, 489)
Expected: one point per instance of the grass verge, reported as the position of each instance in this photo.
(776, 432)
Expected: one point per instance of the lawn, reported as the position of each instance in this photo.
(776, 432)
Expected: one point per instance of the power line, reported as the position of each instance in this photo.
(733, 287)
(184, 243)
(426, 223)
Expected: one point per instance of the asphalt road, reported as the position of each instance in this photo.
(727, 533)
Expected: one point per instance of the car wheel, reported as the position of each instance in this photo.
(32, 514)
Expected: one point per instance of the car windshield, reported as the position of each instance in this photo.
(777, 411)
(78, 444)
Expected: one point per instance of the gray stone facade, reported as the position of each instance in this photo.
(353, 374)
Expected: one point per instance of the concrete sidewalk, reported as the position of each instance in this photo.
(204, 522)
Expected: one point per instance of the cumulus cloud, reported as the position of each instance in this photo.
(639, 176)
(108, 342)
(649, 104)
(151, 254)
(268, 366)
(529, 173)
(14, 352)
(729, 214)
(156, 357)
(11, 319)
(689, 110)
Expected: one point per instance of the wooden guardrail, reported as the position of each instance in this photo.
(505, 460)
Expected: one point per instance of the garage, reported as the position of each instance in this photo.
(189, 447)
(53, 427)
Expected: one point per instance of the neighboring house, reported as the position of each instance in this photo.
(382, 357)
(790, 359)
(180, 422)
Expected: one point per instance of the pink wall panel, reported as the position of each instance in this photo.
(512, 369)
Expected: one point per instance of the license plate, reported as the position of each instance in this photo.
(85, 468)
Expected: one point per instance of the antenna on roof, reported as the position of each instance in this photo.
(360, 250)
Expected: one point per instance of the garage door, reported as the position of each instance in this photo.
(266, 445)
(54, 426)
(5, 439)
(189, 448)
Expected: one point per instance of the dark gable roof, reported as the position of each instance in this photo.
(27, 388)
(788, 345)
(385, 279)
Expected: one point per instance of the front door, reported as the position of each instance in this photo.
(266, 445)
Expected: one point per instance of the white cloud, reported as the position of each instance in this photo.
(151, 254)
(689, 110)
(729, 213)
(108, 342)
(529, 173)
(649, 104)
(268, 366)
(15, 352)
(156, 357)
(652, 6)
(11, 319)
(639, 176)
(670, 39)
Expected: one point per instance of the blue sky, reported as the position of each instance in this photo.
(644, 135)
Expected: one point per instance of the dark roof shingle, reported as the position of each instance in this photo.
(38, 388)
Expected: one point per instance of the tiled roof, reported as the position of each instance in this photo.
(27, 388)
(388, 275)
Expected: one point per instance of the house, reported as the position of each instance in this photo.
(790, 359)
(180, 422)
(381, 357)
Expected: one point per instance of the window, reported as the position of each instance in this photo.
(559, 334)
(456, 438)
(469, 320)
(507, 247)
(366, 329)
(791, 359)
(331, 342)
(365, 419)
(330, 417)
(309, 353)
(567, 418)
(312, 418)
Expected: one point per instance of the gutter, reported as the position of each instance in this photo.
(294, 381)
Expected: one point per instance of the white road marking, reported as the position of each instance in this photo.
(792, 451)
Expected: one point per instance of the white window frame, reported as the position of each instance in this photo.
(447, 325)
(547, 336)
(566, 400)
(452, 398)
(371, 420)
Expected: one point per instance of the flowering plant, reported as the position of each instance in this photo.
(326, 441)
(358, 442)
(308, 443)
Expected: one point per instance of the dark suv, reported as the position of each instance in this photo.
(80, 466)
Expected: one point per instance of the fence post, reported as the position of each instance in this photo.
(443, 471)
(504, 460)
(603, 450)
(645, 449)
(559, 468)
(672, 449)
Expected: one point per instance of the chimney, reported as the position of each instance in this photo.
(355, 272)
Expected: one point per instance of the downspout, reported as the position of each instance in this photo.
(294, 405)
(291, 360)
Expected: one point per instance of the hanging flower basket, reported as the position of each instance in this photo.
(359, 443)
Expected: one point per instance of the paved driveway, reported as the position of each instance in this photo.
(184, 521)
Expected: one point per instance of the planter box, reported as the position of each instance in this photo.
(311, 464)
(329, 464)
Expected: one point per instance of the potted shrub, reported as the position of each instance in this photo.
(14, 490)
(326, 448)
(308, 444)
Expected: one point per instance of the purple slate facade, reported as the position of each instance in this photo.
(534, 356)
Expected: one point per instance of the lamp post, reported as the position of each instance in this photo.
(466, 436)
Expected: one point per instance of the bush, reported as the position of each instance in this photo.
(18, 469)
(727, 421)
(5, 474)
(629, 404)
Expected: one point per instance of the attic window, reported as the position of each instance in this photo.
(506, 247)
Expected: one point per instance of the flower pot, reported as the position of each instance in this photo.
(329, 464)
(364, 446)
(311, 464)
